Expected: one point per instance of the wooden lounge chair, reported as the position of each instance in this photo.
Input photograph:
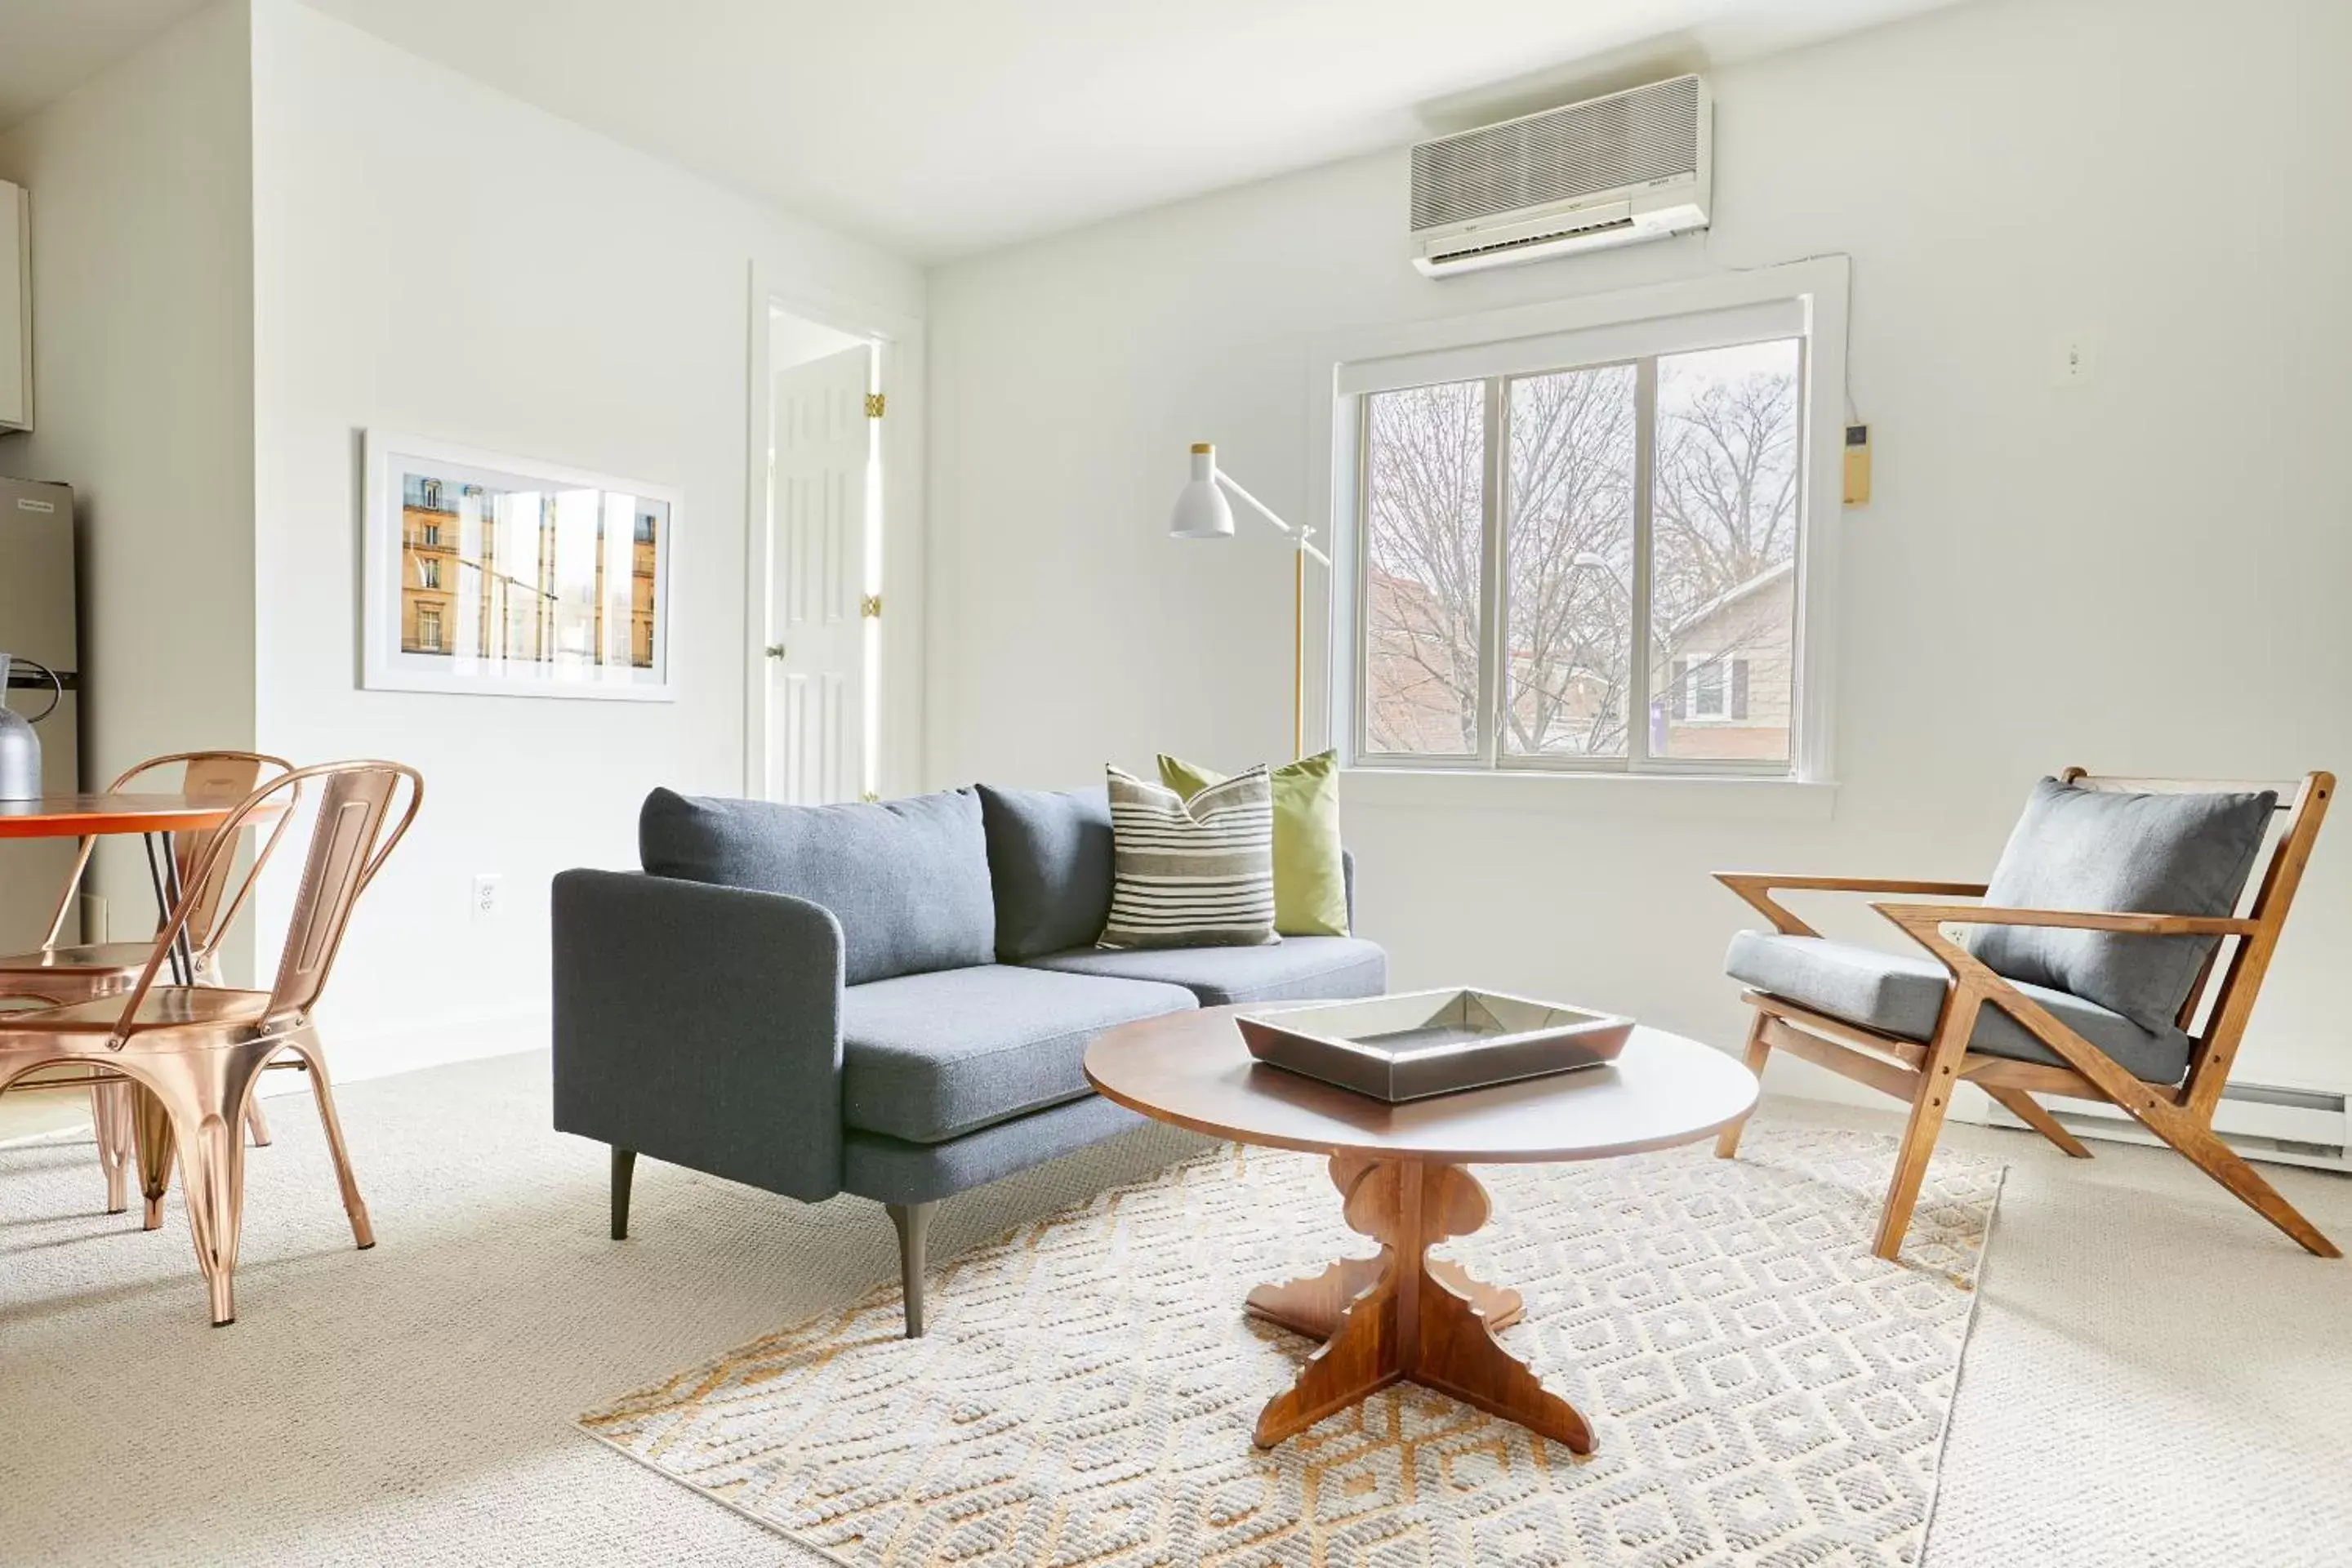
(2129, 980)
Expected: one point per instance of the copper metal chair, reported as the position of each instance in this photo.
(196, 1052)
(62, 972)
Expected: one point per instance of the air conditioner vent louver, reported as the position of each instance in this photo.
(1620, 170)
(1533, 241)
(1626, 139)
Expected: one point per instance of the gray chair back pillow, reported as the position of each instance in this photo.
(908, 880)
(2124, 854)
(1049, 853)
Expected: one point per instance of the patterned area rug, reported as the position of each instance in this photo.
(1763, 1390)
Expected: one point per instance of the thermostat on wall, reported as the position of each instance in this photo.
(1857, 465)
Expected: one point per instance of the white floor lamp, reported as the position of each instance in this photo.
(1201, 513)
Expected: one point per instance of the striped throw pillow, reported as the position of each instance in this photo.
(1196, 873)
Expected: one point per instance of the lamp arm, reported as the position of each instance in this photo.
(1303, 535)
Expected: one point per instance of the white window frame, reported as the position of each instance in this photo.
(1806, 300)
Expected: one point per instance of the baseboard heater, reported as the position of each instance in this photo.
(2261, 1121)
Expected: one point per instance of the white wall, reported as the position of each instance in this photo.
(434, 256)
(144, 364)
(2143, 574)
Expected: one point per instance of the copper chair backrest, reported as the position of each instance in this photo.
(354, 801)
(224, 776)
(349, 844)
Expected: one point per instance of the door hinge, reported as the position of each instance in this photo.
(870, 607)
(775, 650)
(875, 403)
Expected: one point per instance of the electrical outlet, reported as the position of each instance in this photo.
(489, 896)
(2076, 360)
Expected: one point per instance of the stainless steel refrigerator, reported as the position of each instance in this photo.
(37, 621)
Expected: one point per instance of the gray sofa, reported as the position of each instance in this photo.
(888, 1000)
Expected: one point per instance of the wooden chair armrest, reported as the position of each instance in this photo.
(1975, 987)
(1915, 917)
(1755, 889)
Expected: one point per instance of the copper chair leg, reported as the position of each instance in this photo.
(306, 1045)
(110, 1121)
(209, 1120)
(256, 1124)
(154, 1139)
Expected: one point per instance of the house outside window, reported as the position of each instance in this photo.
(428, 630)
(1584, 551)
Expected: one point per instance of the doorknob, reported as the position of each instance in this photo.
(775, 650)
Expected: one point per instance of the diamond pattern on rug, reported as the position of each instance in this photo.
(1763, 1390)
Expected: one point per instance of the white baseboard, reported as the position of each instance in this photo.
(2281, 1126)
(354, 1055)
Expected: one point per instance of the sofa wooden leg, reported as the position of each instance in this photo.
(625, 1165)
(914, 1224)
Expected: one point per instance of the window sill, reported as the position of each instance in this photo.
(1723, 797)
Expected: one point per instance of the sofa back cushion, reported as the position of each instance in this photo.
(2120, 853)
(908, 880)
(1049, 856)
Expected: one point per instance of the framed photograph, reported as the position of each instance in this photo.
(511, 577)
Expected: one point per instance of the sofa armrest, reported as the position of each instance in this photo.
(700, 1025)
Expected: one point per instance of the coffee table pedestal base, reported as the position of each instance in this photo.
(1403, 1317)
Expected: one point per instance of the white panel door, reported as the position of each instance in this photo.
(822, 442)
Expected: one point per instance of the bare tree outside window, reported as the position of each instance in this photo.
(1425, 502)
(1567, 564)
(1723, 521)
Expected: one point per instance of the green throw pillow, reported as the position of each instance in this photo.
(1311, 890)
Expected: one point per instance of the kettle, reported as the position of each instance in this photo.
(20, 749)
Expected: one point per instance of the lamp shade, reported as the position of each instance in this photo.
(1202, 510)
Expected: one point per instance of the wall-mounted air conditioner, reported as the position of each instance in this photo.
(1611, 171)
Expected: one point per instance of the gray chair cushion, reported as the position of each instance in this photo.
(1903, 995)
(926, 1057)
(2144, 853)
(1050, 855)
(908, 880)
(1297, 969)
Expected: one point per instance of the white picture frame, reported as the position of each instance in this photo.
(497, 575)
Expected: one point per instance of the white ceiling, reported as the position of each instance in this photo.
(939, 127)
(49, 47)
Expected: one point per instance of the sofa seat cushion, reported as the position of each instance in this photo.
(1903, 995)
(926, 1057)
(1299, 968)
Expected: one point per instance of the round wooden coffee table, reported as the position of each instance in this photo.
(1399, 1169)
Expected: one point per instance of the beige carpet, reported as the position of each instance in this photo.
(2154, 1377)
(1763, 1391)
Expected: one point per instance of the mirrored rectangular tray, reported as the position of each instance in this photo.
(1421, 1043)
